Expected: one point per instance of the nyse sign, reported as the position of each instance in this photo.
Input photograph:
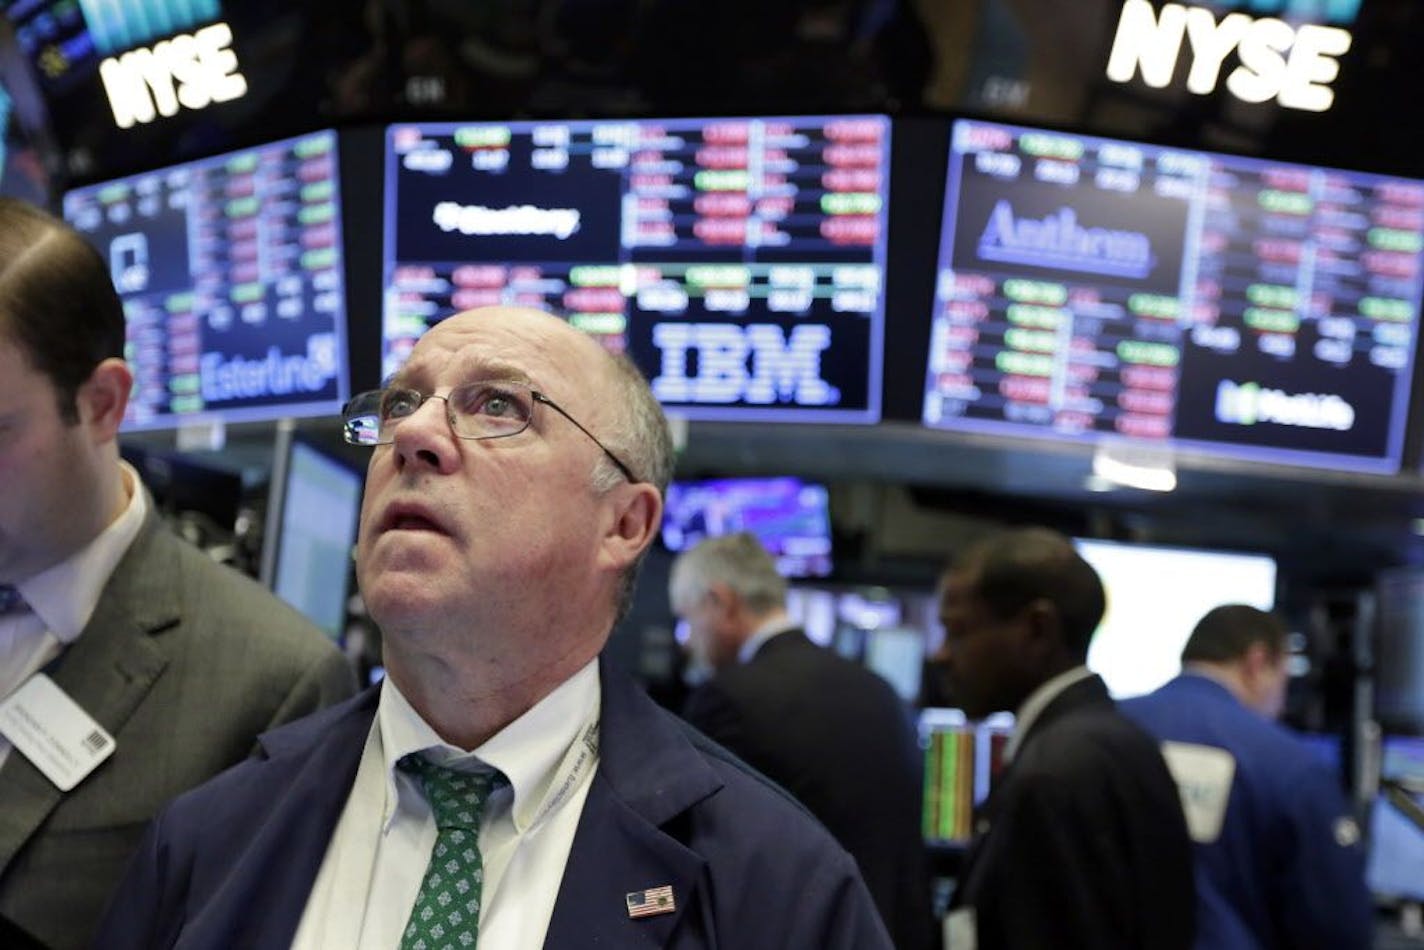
(1292, 65)
(188, 71)
(757, 364)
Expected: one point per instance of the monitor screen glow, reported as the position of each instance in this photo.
(790, 517)
(1091, 288)
(1395, 867)
(231, 274)
(739, 262)
(1155, 596)
(320, 505)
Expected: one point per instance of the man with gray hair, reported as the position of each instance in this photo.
(831, 732)
(504, 788)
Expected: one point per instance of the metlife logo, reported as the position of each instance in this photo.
(1251, 403)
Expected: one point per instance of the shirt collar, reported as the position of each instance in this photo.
(531, 751)
(1037, 702)
(64, 596)
(777, 624)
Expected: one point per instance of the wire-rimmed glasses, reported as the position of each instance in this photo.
(483, 409)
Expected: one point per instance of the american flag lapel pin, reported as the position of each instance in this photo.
(655, 900)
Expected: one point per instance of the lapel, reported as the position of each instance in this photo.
(648, 775)
(258, 882)
(1087, 693)
(108, 671)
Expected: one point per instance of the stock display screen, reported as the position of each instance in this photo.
(790, 517)
(231, 274)
(1091, 288)
(739, 262)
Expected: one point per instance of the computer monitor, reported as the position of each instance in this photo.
(1155, 596)
(898, 655)
(230, 270)
(1092, 288)
(1395, 868)
(739, 261)
(317, 499)
(963, 758)
(789, 516)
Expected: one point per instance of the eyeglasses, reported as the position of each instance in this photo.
(485, 409)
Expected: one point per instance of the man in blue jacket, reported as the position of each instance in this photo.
(1278, 854)
(503, 789)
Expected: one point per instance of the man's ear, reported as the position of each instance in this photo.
(103, 397)
(1256, 660)
(637, 517)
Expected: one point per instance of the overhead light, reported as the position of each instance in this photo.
(1130, 465)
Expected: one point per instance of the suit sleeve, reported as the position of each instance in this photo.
(138, 917)
(1321, 888)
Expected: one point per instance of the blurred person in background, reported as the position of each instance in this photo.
(829, 731)
(1279, 856)
(1082, 842)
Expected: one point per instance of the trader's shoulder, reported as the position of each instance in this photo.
(219, 601)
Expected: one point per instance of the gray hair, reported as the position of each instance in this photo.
(642, 441)
(737, 560)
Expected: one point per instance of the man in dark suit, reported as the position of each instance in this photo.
(1082, 842)
(181, 661)
(829, 731)
(503, 787)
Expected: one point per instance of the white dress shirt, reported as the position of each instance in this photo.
(375, 862)
(1037, 701)
(62, 598)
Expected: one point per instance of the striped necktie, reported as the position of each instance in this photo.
(447, 909)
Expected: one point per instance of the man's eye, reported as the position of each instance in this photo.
(498, 403)
(399, 405)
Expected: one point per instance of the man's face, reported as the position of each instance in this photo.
(1272, 681)
(981, 651)
(709, 638)
(457, 528)
(45, 465)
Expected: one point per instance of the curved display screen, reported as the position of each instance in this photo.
(230, 270)
(1090, 287)
(739, 262)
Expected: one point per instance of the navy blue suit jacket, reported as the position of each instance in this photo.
(231, 864)
(1288, 869)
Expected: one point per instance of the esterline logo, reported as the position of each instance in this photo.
(1058, 240)
(1249, 403)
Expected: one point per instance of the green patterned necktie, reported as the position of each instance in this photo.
(447, 909)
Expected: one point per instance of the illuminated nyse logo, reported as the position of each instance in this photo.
(1249, 403)
(188, 71)
(515, 219)
(780, 370)
(1058, 240)
(1293, 65)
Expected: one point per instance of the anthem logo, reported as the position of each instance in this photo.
(1058, 240)
(1249, 403)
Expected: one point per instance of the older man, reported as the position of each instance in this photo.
(108, 622)
(503, 788)
(783, 704)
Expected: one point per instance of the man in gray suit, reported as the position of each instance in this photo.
(109, 624)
